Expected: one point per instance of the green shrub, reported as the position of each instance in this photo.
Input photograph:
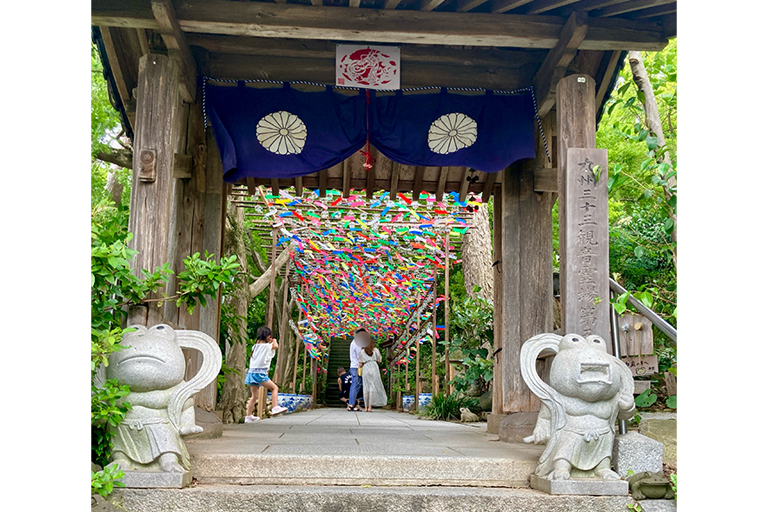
(448, 407)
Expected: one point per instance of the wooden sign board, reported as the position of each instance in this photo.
(635, 335)
(641, 386)
(641, 366)
(584, 227)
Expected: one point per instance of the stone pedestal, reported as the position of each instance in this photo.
(156, 479)
(517, 426)
(493, 422)
(581, 486)
(633, 451)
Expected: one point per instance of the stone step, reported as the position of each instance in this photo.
(360, 465)
(294, 498)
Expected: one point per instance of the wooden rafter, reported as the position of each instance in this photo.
(468, 5)
(661, 10)
(499, 6)
(540, 6)
(554, 66)
(391, 4)
(585, 5)
(631, 6)
(490, 181)
(430, 5)
(605, 79)
(464, 187)
(291, 21)
(353, 3)
(346, 175)
(178, 49)
(323, 181)
(441, 183)
(395, 180)
(418, 182)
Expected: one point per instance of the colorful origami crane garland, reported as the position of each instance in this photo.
(362, 263)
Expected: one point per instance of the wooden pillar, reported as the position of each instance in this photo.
(295, 370)
(447, 320)
(435, 383)
(303, 387)
(156, 138)
(213, 215)
(282, 359)
(526, 279)
(273, 275)
(498, 302)
(314, 381)
(262, 403)
(417, 391)
(407, 377)
(583, 212)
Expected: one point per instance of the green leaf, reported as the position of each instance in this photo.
(639, 251)
(652, 142)
(672, 402)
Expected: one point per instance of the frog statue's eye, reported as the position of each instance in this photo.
(575, 340)
(596, 340)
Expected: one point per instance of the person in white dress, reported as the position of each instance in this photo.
(374, 394)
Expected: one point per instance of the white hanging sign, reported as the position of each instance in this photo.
(368, 67)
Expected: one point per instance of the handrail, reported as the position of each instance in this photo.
(655, 319)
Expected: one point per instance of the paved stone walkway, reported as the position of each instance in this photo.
(336, 431)
(335, 447)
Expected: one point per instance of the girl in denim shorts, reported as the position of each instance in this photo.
(261, 357)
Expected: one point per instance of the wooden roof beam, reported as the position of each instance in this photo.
(391, 4)
(178, 49)
(631, 6)
(554, 66)
(260, 19)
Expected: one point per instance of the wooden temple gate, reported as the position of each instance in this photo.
(569, 51)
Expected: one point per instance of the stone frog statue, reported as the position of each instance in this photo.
(650, 485)
(149, 437)
(588, 390)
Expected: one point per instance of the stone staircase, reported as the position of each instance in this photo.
(338, 356)
(333, 460)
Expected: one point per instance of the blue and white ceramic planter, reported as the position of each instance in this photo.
(292, 402)
(424, 399)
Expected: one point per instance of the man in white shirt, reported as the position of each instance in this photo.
(354, 363)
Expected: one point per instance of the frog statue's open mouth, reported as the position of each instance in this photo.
(595, 372)
(140, 357)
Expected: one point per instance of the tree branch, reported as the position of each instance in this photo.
(119, 157)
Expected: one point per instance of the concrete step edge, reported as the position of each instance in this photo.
(294, 498)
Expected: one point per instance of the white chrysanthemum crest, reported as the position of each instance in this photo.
(452, 132)
(282, 133)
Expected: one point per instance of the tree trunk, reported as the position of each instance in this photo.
(233, 392)
(476, 255)
(652, 118)
(114, 187)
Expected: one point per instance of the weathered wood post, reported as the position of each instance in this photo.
(157, 133)
(435, 383)
(314, 381)
(417, 391)
(296, 360)
(583, 211)
(525, 298)
(447, 319)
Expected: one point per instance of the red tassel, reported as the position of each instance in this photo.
(369, 160)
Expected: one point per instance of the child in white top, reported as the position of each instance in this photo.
(261, 357)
